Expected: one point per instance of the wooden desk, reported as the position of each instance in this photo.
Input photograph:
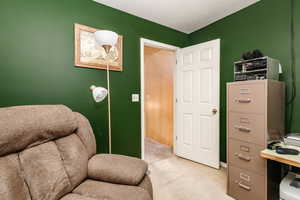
(286, 159)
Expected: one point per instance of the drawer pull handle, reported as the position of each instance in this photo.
(244, 100)
(243, 129)
(241, 185)
(242, 157)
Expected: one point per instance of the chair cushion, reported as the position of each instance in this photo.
(27, 126)
(109, 191)
(74, 158)
(117, 169)
(44, 172)
(12, 184)
(147, 185)
(86, 135)
(72, 196)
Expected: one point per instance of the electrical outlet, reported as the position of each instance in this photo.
(135, 97)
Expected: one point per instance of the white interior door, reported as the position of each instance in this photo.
(197, 103)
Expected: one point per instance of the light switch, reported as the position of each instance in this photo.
(135, 97)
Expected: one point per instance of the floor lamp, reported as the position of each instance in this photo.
(107, 40)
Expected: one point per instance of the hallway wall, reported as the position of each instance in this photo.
(159, 64)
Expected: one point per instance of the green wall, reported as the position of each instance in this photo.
(265, 26)
(36, 63)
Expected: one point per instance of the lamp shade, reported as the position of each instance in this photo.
(104, 37)
(99, 93)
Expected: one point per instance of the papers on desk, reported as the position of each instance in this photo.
(292, 139)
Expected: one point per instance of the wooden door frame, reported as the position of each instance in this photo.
(145, 42)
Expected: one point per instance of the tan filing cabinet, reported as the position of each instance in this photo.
(255, 116)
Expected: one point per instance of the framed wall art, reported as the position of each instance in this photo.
(90, 55)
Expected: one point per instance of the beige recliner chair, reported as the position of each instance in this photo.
(49, 153)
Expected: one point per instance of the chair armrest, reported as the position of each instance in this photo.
(117, 169)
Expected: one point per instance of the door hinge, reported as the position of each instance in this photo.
(176, 61)
(176, 100)
(176, 138)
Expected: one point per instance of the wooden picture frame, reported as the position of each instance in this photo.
(86, 50)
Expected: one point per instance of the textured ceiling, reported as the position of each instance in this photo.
(182, 15)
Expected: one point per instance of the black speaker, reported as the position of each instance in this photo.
(247, 55)
(257, 54)
(251, 55)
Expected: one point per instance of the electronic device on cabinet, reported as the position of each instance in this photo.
(257, 69)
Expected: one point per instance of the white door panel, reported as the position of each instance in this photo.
(197, 95)
(187, 81)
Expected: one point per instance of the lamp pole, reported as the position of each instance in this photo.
(108, 105)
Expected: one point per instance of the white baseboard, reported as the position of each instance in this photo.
(224, 165)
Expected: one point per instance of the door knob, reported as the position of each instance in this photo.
(214, 111)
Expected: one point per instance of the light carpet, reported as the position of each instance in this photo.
(175, 178)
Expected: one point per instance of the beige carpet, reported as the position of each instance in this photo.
(155, 151)
(175, 178)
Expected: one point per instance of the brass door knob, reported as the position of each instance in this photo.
(214, 111)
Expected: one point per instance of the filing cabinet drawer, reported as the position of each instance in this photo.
(247, 127)
(247, 98)
(245, 185)
(246, 155)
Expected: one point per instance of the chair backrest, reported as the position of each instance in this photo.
(44, 151)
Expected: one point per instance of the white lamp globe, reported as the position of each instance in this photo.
(105, 37)
(99, 93)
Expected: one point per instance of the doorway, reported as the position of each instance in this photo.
(159, 62)
(196, 93)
